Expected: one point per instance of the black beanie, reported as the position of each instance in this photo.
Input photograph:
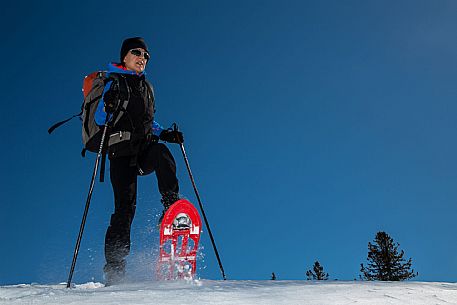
(132, 43)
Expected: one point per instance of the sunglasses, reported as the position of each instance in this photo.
(138, 53)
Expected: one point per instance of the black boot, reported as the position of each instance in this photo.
(114, 273)
(167, 200)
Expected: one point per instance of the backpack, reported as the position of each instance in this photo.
(93, 89)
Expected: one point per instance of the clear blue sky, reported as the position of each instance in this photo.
(309, 125)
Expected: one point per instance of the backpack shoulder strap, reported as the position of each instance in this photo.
(151, 94)
(124, 95)
(58, 124)
(150, 88)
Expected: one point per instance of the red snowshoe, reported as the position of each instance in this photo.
(179, 236)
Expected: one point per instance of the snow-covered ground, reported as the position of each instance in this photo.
(235, 292)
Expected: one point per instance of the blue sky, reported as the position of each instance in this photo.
(309, 125)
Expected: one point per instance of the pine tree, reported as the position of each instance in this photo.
(385, 263)
(317, 273)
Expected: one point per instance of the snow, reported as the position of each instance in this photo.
(200, 292)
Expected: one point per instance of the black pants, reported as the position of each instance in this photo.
(123, 173)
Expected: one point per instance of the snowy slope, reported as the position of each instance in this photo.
(235, 292)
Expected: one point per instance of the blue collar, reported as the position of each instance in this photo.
(118, 68)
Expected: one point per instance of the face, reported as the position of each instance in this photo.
(136, 63)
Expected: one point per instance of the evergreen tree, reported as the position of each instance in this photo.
(317, 273)
(385, 263)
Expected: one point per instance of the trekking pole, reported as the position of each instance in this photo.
(175, 127)
(86, 209)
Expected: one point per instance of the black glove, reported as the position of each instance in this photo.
(111, 98)
(172, 136)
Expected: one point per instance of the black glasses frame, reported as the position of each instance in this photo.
(138, 53)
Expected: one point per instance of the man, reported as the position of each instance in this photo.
(133, 148)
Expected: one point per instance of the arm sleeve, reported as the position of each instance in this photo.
(156, 128)
(100, 114)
